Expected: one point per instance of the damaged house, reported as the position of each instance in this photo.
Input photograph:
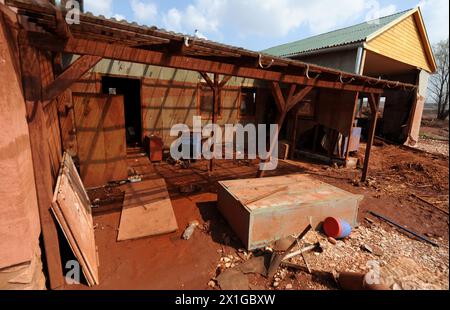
(394, 47)
(90, 105)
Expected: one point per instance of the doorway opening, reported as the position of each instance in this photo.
(130, 89)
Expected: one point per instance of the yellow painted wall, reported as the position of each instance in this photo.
(403, 43)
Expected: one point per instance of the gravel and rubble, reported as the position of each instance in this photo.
(403, 263)
(433, 146)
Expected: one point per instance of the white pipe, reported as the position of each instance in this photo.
(359, 56)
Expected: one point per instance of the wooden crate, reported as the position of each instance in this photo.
(301, 201)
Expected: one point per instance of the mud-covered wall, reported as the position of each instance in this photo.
(19, 217)
(168, 97)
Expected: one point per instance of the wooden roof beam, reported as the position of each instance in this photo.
(125, 53)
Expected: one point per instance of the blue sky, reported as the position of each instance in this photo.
(259, 24)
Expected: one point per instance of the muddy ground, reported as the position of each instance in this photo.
(409, 186)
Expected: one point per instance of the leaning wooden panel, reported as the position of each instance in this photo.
(115, 141)
(147, 211)
(301, 200)
(72, 210)
(101, 141)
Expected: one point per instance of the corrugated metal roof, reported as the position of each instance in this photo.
(345, 36)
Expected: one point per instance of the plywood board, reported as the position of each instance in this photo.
(101, 140)
(147, 211)
(72, 210)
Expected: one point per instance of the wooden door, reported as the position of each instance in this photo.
(101, 140)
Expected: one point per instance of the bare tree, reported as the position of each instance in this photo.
(440, 80)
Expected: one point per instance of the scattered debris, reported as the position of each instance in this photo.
(277, 258)
(369, 220)
(337, 228)
(212, 284)
(256, 265)
(289, 287)
(135, 179)
(367, 248)
(405, 229)
(353, 281)
(332, 240)
(283, 244)
(315, 247)
(306, 263)
(429, 203)
(233, 280)
(190, 230)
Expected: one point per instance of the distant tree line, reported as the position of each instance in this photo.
(439, 82)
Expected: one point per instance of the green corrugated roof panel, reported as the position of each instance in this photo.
(349, 35)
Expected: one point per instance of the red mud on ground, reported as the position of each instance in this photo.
(167, 262)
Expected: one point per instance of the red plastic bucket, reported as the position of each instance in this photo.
(336, 228)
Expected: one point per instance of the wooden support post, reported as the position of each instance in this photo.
(294, 136)
(284, 105)
(39, 139)
(347, 151)
(216, 90)
(216, 86)
(374, 101)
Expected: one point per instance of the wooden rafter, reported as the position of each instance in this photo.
(224, 81)
(208, 80)
(299, 97)
(70, 76)
(279, 98)
(284, 105)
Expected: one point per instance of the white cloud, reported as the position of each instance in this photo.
(436, 16)
(99, 7)
(119, 17)
(172, 20)
(271, 18)
(144, 11)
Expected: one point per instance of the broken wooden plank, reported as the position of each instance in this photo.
(72, 210)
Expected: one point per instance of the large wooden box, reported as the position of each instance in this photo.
(302, 200)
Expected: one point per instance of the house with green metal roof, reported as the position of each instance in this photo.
(394, 47)
(370, 36)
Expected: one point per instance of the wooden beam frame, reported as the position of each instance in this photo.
(216, 86)
(126, 53)
(32, 85)
(71, 75)
(284, 105)
(374, 102)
